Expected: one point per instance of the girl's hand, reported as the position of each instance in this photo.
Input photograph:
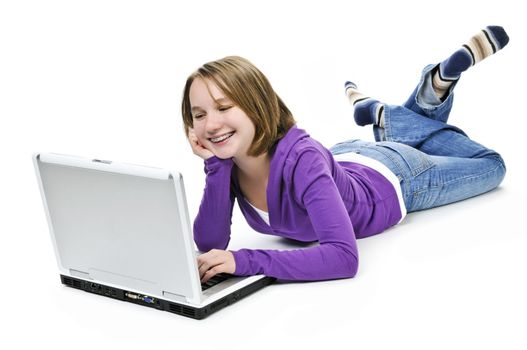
(215, 261)
(197, 147)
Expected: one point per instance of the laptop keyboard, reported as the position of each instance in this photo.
(215, 280)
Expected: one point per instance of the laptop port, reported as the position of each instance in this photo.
(144, 298)
(148, 300)
(132, 296)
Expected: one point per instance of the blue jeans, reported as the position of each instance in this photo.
(436, 163)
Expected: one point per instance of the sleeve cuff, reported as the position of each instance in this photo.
(242, 263)
(214, 163)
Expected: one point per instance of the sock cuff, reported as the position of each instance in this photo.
(440, 74)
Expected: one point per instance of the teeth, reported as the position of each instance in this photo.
(221, 138)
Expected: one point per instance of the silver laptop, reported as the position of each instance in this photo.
(123, 231)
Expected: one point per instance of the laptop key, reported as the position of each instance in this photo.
(215, 280)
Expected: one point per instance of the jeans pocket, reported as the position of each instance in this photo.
(410, 160)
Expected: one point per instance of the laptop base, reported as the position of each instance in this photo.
(161, 304)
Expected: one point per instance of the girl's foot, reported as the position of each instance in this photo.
(485, 43)
(367, 110)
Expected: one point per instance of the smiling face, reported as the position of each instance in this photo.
(233, 95)
(220, 125)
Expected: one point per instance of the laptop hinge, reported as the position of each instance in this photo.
(80, 274)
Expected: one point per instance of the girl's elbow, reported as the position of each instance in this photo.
(202, 246)
(347, 265)
(207, 245)
(353, 266)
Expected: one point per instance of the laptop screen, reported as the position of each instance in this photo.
(123, 229)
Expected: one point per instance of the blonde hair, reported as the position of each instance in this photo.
(250, 90)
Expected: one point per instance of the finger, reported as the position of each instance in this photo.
(205, 258)
(208, 260)
(203, 268)
(202, 265)
(196, 145)
(207, 266)
(213, 272)
(193, 140)
(212, 260)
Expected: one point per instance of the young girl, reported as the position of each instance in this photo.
(288, 184)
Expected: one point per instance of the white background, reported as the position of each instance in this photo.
(104, 79)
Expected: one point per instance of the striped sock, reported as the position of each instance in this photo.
(485, 43)
(367, 110)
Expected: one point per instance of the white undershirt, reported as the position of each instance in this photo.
(379, 167)
(263, 214)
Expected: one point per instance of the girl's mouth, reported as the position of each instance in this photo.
(221, 138)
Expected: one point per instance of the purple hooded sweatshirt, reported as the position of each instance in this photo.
(310, 197)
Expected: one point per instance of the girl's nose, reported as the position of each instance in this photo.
(214, 123)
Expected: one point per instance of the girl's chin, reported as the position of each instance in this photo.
(223, 156)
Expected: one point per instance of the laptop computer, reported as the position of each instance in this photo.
(123, 231)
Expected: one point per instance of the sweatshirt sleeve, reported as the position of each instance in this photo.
(336, 255)
(212, 226)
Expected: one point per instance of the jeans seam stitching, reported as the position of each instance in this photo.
(468, 177)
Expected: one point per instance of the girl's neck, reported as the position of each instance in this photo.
(253, 168)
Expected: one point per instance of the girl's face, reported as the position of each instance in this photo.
(220, 126)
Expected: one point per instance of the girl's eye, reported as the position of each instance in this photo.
(198, 116)
(224, 108)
